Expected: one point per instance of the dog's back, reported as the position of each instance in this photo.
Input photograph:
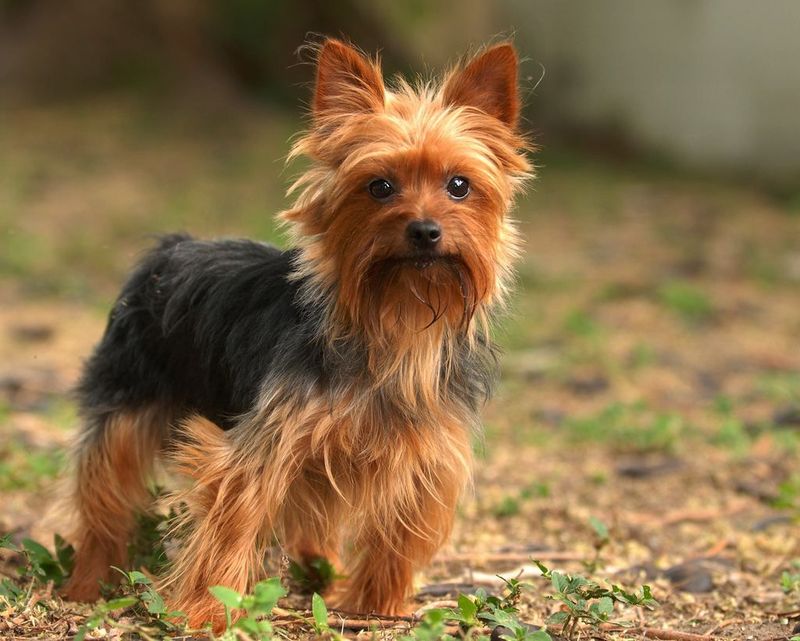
(194, 328)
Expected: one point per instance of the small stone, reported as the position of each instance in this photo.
(787, 417)
(767, 522)
(640, 469)
(35, 333)
(440, 590)
(691, 576)
(500, 633)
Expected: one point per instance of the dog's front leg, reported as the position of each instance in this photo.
(229, 514)
(398, 535)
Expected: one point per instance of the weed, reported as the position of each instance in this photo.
(147, 546)
(535, 489)
(642, 355)
(629, 428)
(481, 610)
(687, 301)
(601, 539)
(314, 575)
(788, 493)
(580, 323)
(319, 613)
(432, 627)
(42, 566)
(62, 413)
(105, 614)
(475, 616)
(780, 387)
(511, 504)
(732, 432)
(21, 468)
(140, 596)
(790, 580)
(508, 506)
(585, 601)
(254, 607)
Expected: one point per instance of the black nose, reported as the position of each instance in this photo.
(424, 234)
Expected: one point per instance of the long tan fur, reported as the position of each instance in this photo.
(111, 487)
(378, 462)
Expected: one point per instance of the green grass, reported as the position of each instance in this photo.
(628, 428)
(686, 300)
(22, 468)
(779, 387)
(78, 207)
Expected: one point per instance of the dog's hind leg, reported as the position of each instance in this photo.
(114, 461)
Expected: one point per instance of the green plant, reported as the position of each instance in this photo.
(39, 563)
(535, 489)
(788, 493)
(484, 610)
(732, 432)
(601, 539)
(585, 601)
(508, 506)
(314, 575)
(139, 595)
(687, 301)
(511, 504)
(432, 627)
(105, 614)
(629, 428)
(475, 616)
(23, 468)
(790, 581)
(319, 622)
(580, 323)
(254, 608)
(146, 549)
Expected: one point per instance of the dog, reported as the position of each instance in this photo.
(329, 393)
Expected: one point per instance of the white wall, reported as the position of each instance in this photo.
(713, 83)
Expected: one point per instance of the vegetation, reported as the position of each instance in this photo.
(645, 430)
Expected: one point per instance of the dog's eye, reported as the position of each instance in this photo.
(458, 187)
(380, 189)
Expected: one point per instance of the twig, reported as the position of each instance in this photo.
(512, 557)
(787, 613)
(351, 621)
(366, 624)
(717, 548)
(434, 605)
(378, 617)
(659, 633)
(685, 516)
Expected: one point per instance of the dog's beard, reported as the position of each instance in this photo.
(422, 290)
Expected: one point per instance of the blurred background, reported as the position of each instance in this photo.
(124, 118)
(658, 307)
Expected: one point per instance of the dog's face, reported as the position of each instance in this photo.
(404, 214)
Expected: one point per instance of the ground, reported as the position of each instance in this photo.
(650, 385)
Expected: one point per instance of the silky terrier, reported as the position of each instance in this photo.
(323, 397)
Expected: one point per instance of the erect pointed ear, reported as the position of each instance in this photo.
(347, 81)
(488, 83)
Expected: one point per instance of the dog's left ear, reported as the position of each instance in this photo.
(488, 83)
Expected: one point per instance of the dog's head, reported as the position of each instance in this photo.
(403, 215)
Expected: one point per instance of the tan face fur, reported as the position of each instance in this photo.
(356, 247)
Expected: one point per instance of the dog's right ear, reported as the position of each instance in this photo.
(347, 82)
(488, 83)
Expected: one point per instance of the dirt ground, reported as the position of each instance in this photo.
(651, 377)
